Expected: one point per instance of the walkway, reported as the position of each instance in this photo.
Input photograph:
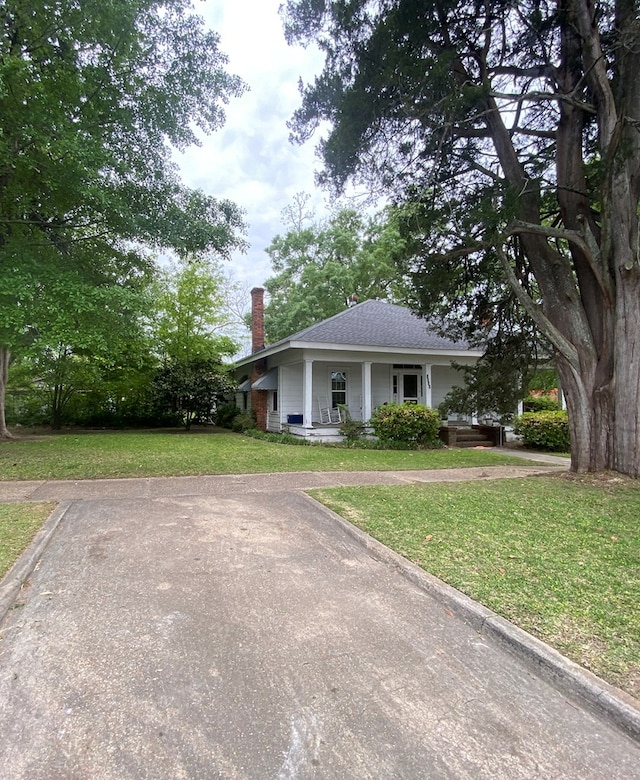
(230, 627)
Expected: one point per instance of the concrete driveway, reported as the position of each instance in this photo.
(243, 632)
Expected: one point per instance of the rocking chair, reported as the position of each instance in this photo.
(329, 415)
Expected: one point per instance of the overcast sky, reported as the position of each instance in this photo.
(250, 160)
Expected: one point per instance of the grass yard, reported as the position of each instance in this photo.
(558, 556)
(155, 454)
(19, 523)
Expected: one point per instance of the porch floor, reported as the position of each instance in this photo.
(318, 432)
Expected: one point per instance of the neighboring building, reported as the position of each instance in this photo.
(370, 354)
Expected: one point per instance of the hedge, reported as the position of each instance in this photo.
(544, 430)
(540, 403)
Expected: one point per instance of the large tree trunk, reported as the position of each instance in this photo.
(5, 356)
(615, 412)
(604, 413)
(626, 390)
(591, 297)
(590, 409)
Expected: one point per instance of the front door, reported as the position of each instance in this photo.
(406, 387)
(410, 388)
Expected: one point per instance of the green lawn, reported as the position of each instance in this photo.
(558, 556)
(19, 523)
(154, 454)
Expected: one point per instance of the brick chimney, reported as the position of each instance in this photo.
(257, 319)
(258, 397)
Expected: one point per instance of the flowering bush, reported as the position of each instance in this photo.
(406, 422)
(544, 430)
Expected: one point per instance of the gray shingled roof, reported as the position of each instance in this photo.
(376, 324)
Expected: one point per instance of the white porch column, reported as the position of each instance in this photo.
(367, 402)
(307, 393)
(562, 401)
(426, 384)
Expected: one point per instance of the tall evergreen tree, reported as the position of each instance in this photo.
(513, 126)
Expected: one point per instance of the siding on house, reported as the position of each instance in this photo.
(380, 385)
(290, 394)
(443, 378)
(273, 422)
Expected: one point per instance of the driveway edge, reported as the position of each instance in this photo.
(13, 581)
(546, 662)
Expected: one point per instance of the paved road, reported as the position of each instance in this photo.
(206, 632)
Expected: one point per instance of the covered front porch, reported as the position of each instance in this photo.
(311, 397)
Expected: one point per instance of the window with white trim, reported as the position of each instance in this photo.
(338, 388)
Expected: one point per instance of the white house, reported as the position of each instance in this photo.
(369, 354)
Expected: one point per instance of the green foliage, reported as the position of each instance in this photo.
(352, 430)
(277, 438)
(540, 403)
(92, 98)
(320, 265)
(226, 414)
(192, 388)
(544, 379)
(26, 408)
(406, 423)
(494, 385)
(62, 375)
(101, 367)
(547, 430)
(190, 316)
(245, 421)
(379, 444)
(82, 346)
(124, 398)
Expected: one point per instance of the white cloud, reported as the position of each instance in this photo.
(250, 160)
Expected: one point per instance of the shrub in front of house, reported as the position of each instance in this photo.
(540, 403)
(242, 422)
(406, 423)
(278, 438)
(547, 430)
(226, 414)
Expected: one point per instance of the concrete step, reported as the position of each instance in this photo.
(469, 436)
(481, 441)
